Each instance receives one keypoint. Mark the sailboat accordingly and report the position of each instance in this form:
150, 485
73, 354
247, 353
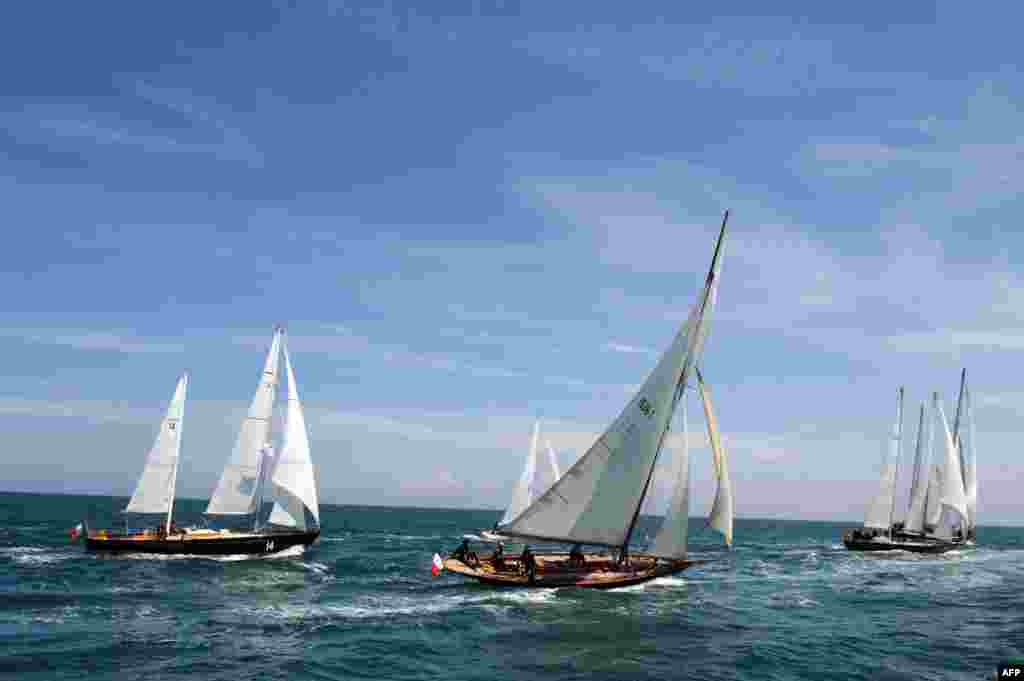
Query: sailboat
536, 478
253, 467
597, 501
943, 494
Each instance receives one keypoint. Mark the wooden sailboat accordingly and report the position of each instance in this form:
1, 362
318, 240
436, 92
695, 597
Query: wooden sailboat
597, 501
943, 495
294, 519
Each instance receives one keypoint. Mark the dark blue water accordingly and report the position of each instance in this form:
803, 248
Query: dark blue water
788, 603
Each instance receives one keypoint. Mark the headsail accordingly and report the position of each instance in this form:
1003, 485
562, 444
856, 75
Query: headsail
933, 504
879, 514
919, 488
952, 492
597, 499
293, 482
522, 496
236, 492
722, 510
154, 492
670, 542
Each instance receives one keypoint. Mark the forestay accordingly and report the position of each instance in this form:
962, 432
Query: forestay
293, 483
879, 514
236, 492
919, 489
595, 501
154, 492
670, 542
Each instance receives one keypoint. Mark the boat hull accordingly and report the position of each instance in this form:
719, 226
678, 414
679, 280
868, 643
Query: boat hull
914, 544
552, 571
202, 543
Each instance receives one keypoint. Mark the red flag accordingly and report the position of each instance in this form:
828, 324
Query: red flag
437, 565
75, 530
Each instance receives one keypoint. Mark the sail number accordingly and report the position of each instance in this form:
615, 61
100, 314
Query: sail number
646, 408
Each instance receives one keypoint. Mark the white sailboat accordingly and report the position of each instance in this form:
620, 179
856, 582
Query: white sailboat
250, 471
598, 500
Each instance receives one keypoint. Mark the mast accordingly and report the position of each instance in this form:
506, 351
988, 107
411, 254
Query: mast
680, 385
899, 452
177, 459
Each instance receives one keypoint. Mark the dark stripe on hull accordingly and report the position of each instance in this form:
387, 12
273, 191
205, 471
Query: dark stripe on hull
920, 546
269, 543
855, 545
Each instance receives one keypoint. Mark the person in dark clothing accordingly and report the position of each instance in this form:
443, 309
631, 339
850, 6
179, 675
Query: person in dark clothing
498, 559
461, 552
576, 556
527, 563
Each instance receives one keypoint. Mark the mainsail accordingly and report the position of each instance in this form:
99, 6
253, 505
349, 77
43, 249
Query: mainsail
293, 482
721, 511
952, 491
919, 488
879, 514
933, 504
670, 542
599, 497
236, 492
154, 492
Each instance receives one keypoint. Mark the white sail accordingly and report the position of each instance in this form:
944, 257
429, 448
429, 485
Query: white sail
154, 492
670, 542
879, 514
553, 462
721, 516
933, 504
968, 449
522, 496
293, 483
919, 489
952, 492
236, 491
595, 502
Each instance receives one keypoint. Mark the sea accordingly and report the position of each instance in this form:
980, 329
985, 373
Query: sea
787, 602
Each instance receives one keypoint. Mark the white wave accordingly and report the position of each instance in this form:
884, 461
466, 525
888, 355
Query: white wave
34, 555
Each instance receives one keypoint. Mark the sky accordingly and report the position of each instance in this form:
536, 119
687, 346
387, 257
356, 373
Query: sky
471, 215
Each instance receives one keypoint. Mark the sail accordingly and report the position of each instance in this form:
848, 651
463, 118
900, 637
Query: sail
721, 516
154, 492
952, 492
933, 505
237, 488
919, 489
522, 495
670, 542
969, 452
596, 500
879, 514
553, 462
293, 483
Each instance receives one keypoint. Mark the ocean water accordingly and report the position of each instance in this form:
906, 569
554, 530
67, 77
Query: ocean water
789, 602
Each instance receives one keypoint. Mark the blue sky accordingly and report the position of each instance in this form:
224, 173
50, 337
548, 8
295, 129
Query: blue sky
473, 218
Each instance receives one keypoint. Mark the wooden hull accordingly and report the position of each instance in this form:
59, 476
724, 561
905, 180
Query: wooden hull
553, 571
201, 543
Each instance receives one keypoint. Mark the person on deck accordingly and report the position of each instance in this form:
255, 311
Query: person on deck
498, 559
529, 566
576, 556
462, 552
